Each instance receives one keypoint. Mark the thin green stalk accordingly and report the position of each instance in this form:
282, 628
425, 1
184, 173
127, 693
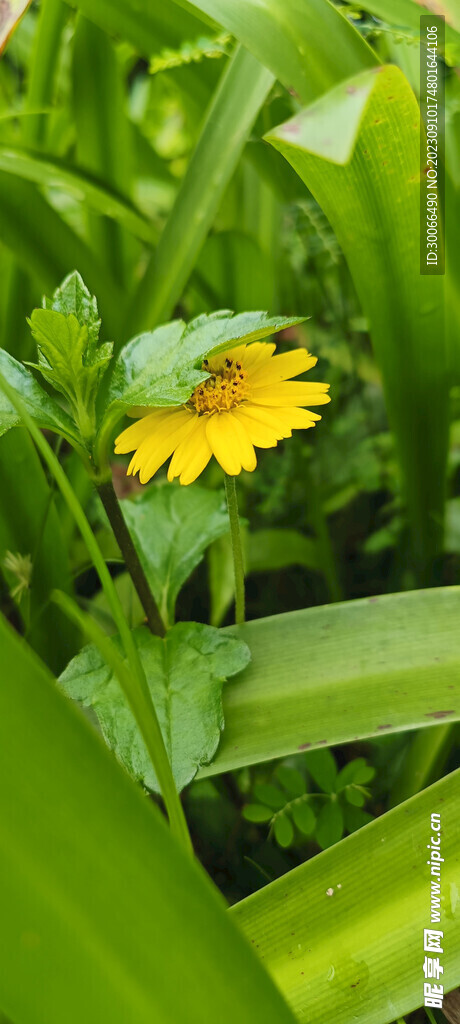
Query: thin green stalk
237, 550
44, 62
143, 699
241, 92
132, 561
320, 526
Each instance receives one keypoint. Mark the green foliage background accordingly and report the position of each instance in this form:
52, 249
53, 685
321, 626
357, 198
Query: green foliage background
185, 158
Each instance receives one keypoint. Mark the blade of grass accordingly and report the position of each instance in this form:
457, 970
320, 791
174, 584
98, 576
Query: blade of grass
103, 917
345, 929
241, 92
363, 668
46, 246
29, 525
147, 721
357, 150
149, 27
295, 40
99, 193
103, 131
52, 15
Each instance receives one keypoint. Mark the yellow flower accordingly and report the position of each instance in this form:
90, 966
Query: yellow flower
247, 401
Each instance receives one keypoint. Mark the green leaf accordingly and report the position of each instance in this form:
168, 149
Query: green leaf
322, 768
185, 673
162, 367
147, 27
356, 818
407, 13
102, 914
329, 827
270, 795
257, 813
234, 107
94, 191
12, 12
291, 780
283, 830
171, 528
295, 41
69, 357
357, 150
277, 549
105, 146
355, 796
30, 525
370, 667
355, 771
73, 297
365, 964
46, 246
364, 773
304, 819
40, 405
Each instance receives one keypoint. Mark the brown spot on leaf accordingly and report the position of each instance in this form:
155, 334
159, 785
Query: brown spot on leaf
385, 726
439, 714
303, 746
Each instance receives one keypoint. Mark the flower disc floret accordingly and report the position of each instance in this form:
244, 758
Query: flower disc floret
247, 402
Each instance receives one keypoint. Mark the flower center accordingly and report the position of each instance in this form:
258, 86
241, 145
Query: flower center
223, 390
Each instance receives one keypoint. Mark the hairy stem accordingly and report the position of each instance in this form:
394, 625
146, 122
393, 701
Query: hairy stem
235, 533
130, 555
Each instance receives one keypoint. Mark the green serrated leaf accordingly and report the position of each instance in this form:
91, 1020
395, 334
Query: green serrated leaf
330, 825
283, 830
322, 768
270, 795
304, 819
171, 527
73, 297
40, 405
69, 359
257, 813
185, 672
162, 367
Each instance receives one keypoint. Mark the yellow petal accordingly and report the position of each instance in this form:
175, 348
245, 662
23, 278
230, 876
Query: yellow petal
230, 443
280, 368
192, 455
257, 354
291, 393
260, 434
131, 438
158, 447
267, 416
298, 419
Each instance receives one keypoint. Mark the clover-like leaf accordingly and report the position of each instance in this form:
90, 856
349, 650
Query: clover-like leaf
172, 526
185, 672
41, 406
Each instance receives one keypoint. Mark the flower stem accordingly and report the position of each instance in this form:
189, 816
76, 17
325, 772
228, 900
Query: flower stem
133, 564
237, 550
